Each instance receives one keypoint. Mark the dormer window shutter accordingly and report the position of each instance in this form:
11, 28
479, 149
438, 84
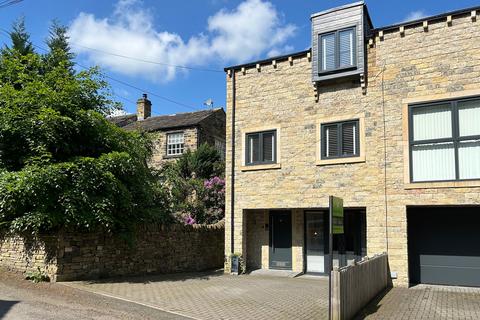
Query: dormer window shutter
337, 50
346, 48
328, 52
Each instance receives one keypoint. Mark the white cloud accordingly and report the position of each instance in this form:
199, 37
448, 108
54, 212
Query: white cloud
247, 31
414, 15
279, 51
252, 29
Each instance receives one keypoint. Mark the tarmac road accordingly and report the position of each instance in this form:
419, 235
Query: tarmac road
23, 300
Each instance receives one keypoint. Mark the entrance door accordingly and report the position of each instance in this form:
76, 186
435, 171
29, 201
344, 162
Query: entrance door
280, 239
315, 241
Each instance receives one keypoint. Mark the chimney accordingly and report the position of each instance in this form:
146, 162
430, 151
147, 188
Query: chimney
144, 108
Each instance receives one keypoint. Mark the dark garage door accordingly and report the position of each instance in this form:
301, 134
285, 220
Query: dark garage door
444, 245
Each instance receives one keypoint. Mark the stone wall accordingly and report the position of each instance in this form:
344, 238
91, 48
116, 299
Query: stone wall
27, 253
441, 62
153, 250
212, 128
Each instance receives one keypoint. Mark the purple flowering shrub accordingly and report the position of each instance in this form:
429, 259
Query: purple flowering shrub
214, 199
196, 189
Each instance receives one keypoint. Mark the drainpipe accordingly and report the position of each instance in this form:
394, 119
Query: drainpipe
232, 177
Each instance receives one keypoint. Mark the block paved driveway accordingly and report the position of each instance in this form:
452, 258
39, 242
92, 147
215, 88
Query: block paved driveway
219, 296
425, 302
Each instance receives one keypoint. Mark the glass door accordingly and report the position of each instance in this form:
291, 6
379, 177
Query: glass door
315, 241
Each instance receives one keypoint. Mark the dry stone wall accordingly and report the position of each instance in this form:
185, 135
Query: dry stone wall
154, 249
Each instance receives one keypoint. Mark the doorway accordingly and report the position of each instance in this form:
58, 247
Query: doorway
315, 241
347, 247
280, 239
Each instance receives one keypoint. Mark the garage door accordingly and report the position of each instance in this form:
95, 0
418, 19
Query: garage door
444, 245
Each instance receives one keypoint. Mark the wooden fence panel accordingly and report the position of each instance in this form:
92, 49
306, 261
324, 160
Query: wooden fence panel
353, 287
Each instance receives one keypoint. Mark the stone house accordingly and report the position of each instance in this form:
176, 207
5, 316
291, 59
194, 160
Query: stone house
174, 134
387, 118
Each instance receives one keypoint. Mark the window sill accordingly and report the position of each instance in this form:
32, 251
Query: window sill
176, 156
444, 184
261, 167
337, 70
340, 161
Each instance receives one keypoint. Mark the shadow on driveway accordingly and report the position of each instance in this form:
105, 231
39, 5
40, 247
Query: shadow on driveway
5, 306
207, 275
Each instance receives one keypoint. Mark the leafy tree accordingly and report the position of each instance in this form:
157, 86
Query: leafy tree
62, 164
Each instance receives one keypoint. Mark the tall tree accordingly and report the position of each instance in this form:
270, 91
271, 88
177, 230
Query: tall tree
62, 164
20, 38
59, 47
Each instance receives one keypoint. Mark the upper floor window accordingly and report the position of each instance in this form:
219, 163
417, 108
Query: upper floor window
445, 141
175, 143
340, 139
261, 147
337, 50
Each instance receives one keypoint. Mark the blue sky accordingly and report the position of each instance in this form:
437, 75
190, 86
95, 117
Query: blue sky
204, 34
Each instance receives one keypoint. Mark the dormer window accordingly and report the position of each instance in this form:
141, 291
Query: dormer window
337, 50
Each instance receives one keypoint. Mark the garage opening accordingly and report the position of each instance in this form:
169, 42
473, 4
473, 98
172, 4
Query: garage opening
444, 245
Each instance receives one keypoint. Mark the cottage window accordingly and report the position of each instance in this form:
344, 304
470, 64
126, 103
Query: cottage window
175, 143
261, 147
445, 141
340, 139
337, 50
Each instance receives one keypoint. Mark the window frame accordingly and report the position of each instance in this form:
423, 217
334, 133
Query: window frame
167, 144
260, 137
339, 125
337, 68
456, 139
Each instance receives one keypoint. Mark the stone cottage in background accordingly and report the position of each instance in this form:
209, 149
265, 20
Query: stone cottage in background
174, 134
387, 118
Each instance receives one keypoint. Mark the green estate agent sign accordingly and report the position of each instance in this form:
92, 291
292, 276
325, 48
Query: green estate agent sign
336, 207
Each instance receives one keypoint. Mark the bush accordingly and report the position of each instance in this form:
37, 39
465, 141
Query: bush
202, 163
196, 188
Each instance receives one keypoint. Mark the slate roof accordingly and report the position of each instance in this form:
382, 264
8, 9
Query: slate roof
178, 120
122, 121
